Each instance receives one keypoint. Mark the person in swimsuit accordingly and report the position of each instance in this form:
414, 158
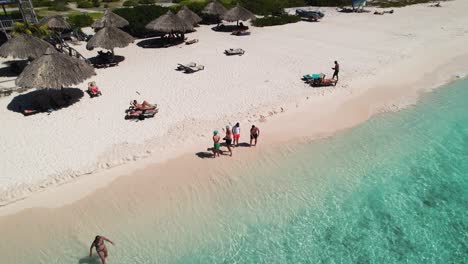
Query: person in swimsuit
336, 70
228, 139
236, 133
216, 143
93, 89
144, 105
254, 134
101, 248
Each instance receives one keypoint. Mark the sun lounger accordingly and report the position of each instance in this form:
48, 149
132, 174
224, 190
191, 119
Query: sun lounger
318, 80
307, 77
182, 67
141, 114
241, 32
192, 41
194, 69
231, 52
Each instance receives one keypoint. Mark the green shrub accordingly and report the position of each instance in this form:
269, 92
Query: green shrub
42, 3
146, 2
26, 28
329, 2
85, 4
275, 20
59, 6
139, 17
80, 20
129, 3
106, 6
268, 7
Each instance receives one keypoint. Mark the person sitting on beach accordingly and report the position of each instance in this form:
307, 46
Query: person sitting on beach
216, 144
254, 134
228, 139
101, 248
143, 106
93, 90
236, 132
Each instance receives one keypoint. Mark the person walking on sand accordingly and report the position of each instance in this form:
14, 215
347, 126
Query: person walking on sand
101, 248
216, 144
336, 70
228, 139
254, 134
236, 132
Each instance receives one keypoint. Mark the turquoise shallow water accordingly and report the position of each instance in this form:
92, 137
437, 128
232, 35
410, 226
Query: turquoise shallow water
392, 190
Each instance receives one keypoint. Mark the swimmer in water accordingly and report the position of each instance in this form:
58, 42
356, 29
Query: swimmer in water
101, 248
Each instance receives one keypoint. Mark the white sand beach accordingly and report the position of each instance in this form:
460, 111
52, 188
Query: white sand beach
386, 63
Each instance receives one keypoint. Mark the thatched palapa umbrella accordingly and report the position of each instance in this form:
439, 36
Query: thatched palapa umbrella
24, 47
110, 19
189, 16
214, 8
56, 23
169, 24
54, 70
238, 13
109, 38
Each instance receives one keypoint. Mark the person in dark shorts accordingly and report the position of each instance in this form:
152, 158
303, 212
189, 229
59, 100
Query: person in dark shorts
254, 134
228, 139
336, 70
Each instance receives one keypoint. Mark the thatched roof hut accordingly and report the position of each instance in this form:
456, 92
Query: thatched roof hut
189, 16
214, 8
110, 19
169, 23
55, 23
238, 13
54, 70
24, 47
109, 38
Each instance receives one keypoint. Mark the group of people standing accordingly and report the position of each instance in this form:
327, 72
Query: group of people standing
232, 136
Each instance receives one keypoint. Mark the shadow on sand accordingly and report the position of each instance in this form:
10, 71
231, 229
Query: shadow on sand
103, 62
43, 100
90, 260
14, 68
8, 72
155, 43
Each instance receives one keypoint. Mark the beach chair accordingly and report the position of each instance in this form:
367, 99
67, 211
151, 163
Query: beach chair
318, 80
190, 42
241, 32
140, 114
309, 77
230, 52
194, 69
182, 67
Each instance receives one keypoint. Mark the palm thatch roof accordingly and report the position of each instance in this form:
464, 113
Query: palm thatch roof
109, 38
24, 47
54, 70
110, 19
189, 16
55, 22
169, 23
238, 13
214, 8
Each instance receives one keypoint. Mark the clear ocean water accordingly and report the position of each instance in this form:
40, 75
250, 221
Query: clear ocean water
392, 190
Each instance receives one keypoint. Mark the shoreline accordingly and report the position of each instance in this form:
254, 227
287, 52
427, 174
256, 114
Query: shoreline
335, 109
